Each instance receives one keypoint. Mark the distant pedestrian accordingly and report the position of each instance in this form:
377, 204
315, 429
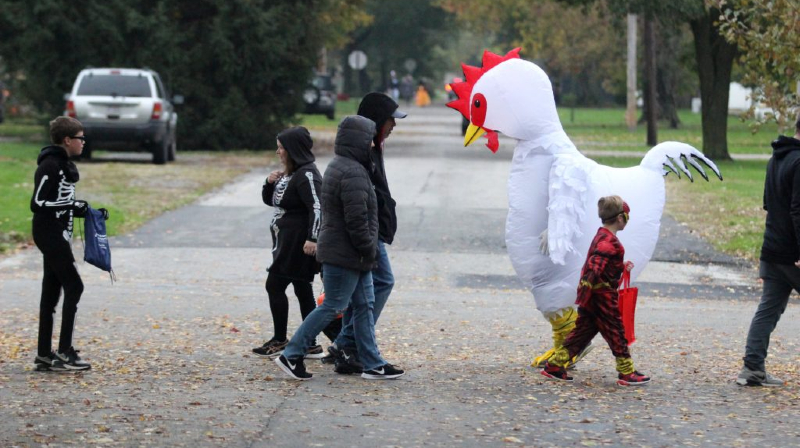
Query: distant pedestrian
407, 89
780, 256
423, 97
294, 193
394, 86
54, 208
347, 249
383, 111
598, 309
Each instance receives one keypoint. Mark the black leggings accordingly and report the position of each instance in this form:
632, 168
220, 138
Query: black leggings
279, 305
59, 273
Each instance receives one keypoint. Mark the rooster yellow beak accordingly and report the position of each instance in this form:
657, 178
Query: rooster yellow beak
473, 133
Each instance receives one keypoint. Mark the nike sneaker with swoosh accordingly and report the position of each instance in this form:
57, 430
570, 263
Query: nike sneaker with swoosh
384, 372
295, 368
347, 363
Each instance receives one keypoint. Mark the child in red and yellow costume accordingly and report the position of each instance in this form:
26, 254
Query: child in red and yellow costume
598, 309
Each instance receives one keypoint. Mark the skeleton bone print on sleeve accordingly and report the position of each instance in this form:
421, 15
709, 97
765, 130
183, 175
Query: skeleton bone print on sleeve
65, 199
277, 197
317, 208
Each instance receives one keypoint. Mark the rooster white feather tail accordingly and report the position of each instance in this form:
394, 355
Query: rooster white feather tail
670, 156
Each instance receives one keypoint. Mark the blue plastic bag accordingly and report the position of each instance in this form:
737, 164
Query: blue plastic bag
96, 251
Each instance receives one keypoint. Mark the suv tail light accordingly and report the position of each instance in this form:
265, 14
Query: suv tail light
156, 111
71, 109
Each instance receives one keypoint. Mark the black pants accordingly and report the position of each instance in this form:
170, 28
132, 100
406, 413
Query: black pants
60, 273
279, 305
779, 281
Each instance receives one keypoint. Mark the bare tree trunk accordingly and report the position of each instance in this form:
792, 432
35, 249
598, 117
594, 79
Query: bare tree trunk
650, 101
630, 113
715, 58
667, 74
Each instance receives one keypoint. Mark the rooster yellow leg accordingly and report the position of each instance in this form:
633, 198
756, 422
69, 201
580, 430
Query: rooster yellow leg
562, 322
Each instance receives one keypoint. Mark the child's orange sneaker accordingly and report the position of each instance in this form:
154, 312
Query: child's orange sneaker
556, 373
633, 379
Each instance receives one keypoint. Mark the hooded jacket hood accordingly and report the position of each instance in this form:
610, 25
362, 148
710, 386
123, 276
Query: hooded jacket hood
298, 143
379, 107
50, 151
354, 139
783, 145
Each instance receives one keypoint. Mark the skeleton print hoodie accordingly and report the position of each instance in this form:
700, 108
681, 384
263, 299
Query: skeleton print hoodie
53, 203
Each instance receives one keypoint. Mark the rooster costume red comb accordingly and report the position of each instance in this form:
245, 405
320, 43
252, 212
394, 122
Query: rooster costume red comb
472, 111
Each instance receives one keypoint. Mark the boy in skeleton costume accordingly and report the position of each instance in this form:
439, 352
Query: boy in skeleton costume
54, 206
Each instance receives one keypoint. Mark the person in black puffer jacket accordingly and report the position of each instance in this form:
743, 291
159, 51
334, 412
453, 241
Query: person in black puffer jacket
294, 193
383, 111
780, 256
347, 249
54, 206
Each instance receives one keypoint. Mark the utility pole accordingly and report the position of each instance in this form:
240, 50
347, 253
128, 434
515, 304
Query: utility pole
630, 113
650, 100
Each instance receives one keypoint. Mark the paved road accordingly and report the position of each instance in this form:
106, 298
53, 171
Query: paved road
170, 341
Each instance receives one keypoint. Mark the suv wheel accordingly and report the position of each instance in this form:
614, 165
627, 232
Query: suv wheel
161, 152
87, 151
173, 148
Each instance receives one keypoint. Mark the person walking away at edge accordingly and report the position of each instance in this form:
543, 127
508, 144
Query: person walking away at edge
383, 111
423, 97
598, 308
347, 248
779, 265
294, 193
54, 207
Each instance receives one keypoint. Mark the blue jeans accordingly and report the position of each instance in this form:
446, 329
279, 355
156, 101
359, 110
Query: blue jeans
383, 282
342, 286
779, 281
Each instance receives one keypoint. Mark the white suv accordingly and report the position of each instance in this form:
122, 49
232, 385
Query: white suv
125, 110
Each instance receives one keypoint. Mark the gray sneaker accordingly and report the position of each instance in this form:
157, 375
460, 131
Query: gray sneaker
749, 377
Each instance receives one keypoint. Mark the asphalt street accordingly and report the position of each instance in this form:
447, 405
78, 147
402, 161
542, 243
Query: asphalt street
170, 341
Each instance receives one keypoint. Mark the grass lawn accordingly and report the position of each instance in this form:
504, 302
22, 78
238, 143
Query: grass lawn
606, 129
133, 192
343, 108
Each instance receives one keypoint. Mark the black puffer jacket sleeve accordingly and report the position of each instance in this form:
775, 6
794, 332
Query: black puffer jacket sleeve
356, 214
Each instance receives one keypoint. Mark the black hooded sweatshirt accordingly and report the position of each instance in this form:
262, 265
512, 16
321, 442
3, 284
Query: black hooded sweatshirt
349, 235
53, 200
379, 110
298, 212
782, 203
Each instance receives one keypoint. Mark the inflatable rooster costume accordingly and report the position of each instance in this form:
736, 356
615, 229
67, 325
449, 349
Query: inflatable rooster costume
553, 189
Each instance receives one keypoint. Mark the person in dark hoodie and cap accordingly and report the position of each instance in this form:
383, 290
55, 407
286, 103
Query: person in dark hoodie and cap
779, 266
54, 207
347, 249
294, 192
382, 110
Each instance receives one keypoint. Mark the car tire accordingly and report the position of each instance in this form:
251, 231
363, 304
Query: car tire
87, 151
331, 115
161, 152
173, 148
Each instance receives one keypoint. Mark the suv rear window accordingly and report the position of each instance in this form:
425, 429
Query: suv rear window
114, 85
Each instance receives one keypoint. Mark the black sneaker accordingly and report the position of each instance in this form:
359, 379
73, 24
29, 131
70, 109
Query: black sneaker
294, 368
333, 354
49, 363
384, 372
348, 363
315, 352
71, 361
271, 348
